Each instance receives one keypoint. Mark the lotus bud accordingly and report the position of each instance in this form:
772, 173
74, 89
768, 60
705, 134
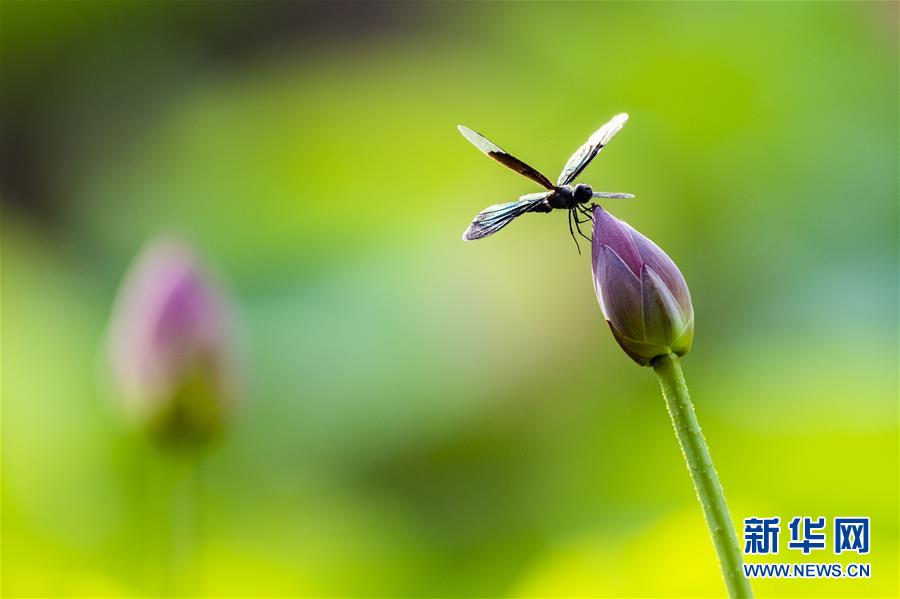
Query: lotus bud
643, 295
171, 347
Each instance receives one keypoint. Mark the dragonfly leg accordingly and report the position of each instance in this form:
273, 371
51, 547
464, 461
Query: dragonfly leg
577, 223
585, 211
587, 218
572, 232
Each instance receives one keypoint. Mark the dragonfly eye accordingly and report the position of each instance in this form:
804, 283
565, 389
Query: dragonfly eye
583, 193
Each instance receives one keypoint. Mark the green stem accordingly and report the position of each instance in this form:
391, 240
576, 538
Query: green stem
183, 515
703, 473
173, 524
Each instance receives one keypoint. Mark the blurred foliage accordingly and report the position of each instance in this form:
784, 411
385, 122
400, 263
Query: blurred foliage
429, 417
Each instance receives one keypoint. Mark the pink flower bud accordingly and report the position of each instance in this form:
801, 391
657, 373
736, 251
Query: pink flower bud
643, 295
171, 346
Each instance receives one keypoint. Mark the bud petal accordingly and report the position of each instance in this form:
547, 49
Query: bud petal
610, 231
619, 292
662, 265
663, 320
639, 351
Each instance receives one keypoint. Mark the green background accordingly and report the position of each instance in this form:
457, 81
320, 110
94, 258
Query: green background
423, 416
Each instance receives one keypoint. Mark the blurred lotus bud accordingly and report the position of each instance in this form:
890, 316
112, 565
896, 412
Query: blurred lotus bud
642, 293
172, 347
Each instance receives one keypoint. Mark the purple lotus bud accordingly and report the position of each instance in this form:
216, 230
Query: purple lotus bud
642, 293
171, 346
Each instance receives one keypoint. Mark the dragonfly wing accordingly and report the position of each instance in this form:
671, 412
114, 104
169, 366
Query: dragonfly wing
504, 157
583, 155
493, 218
535, 197
607, 194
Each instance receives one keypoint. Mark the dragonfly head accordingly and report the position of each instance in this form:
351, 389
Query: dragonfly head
583, 193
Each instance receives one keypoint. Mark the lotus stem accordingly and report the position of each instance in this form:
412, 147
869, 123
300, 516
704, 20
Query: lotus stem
703, 473
173, 522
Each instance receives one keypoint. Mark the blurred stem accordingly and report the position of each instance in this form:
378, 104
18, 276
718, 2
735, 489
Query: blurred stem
183, 512
703, 473
175, 523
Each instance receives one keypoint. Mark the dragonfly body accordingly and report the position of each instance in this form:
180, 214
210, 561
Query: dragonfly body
562, 196
568, 197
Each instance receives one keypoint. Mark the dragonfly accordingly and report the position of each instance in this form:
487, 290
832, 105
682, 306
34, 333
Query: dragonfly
562, 196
